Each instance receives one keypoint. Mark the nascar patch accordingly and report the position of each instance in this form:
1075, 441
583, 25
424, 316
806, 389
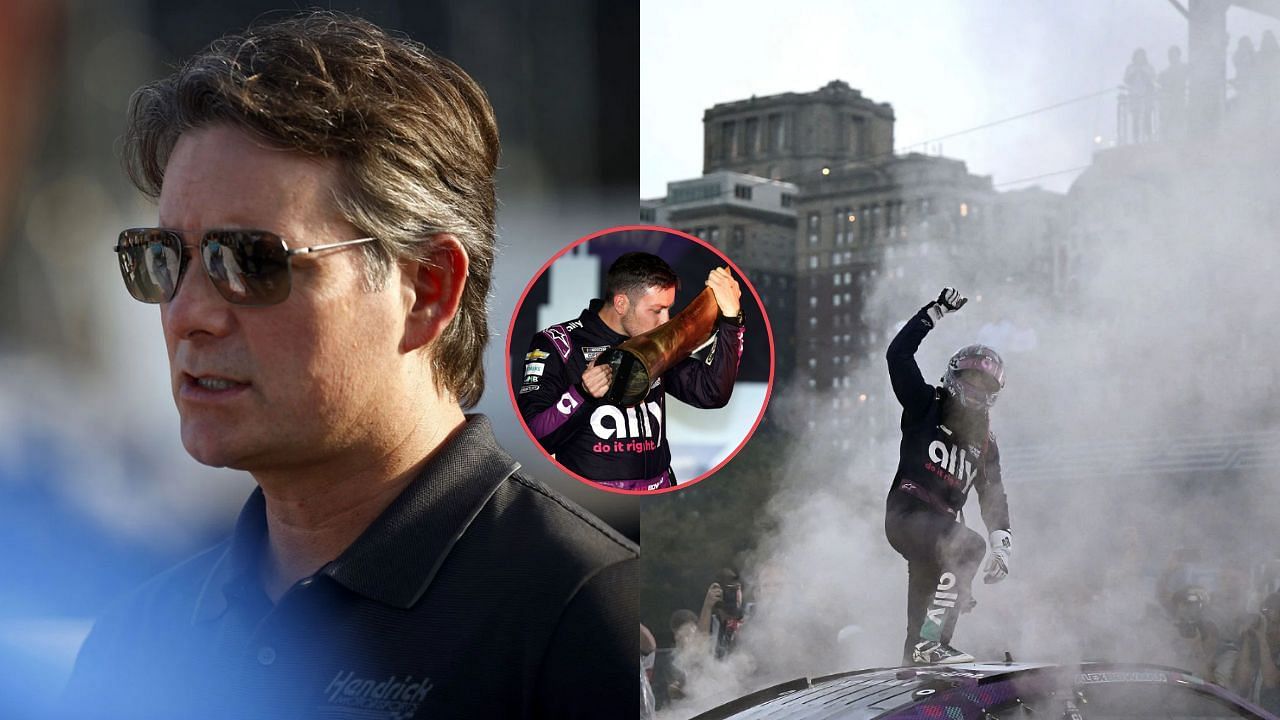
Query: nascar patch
591, 353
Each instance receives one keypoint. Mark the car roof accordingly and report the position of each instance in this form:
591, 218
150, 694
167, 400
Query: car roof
860, 694
904, 692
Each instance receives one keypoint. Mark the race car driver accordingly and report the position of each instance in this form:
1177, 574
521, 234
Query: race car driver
561, 391
947, 448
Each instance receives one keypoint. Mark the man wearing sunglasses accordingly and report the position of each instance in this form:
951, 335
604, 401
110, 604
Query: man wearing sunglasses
321, 264
947, 448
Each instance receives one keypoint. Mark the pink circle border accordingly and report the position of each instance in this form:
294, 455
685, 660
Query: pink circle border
768, 326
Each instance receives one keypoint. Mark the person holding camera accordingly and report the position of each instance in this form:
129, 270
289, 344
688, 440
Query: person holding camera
947, 449
723, 612
1257, 670
1208, 648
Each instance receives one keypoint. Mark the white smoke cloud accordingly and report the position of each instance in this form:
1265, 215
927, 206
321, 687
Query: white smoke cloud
1160, 357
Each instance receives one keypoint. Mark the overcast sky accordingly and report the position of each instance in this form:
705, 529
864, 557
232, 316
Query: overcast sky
944, 65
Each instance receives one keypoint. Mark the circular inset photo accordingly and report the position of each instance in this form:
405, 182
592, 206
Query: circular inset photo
641, 359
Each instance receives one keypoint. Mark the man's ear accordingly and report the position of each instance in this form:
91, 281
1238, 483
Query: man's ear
621, 304
432, 290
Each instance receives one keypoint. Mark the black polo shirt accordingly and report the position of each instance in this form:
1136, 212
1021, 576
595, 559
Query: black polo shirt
477, 594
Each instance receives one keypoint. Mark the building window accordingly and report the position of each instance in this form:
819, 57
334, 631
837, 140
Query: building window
813, 301
813, 262
737, 239
728, 139
648, 215
777, 133
697, 191
742, 192
787, 198
753, 137
713, 236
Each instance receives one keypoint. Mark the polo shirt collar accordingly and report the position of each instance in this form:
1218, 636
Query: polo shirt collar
395, 559
238, 561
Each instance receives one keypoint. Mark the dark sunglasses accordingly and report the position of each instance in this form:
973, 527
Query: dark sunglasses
248, 267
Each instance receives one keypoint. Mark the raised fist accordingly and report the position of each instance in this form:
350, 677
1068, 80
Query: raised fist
949, 301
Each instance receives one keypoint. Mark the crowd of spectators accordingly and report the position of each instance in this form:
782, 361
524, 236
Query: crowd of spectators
707, 636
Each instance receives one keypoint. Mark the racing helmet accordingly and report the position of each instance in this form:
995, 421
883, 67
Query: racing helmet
975, 376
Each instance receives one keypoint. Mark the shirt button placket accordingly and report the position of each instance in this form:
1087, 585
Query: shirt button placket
266, 655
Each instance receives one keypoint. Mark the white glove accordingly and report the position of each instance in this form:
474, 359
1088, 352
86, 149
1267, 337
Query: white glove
1001, 549
949, 301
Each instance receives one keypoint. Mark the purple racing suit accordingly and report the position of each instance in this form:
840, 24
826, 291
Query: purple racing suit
621, 447
937, 467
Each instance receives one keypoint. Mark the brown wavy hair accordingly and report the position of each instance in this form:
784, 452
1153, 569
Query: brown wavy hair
414, 135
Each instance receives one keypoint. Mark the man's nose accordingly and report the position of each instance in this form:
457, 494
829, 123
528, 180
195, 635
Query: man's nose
196, 310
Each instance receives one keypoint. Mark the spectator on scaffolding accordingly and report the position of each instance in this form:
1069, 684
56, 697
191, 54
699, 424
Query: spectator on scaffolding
1173, 96
1245, 82
1268, 66
1140, 86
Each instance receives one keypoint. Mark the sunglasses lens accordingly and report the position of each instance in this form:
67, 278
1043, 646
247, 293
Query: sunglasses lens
150, 263
249, 267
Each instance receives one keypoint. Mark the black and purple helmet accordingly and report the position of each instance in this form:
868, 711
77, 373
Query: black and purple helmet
975, 376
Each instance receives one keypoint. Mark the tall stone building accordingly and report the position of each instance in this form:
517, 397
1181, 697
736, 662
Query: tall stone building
790, 135
752, 220
839, 234
866, 226
874, 237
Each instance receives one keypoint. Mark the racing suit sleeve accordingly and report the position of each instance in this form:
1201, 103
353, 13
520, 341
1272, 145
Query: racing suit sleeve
709, 383
914, 394
550, 399
991, 497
